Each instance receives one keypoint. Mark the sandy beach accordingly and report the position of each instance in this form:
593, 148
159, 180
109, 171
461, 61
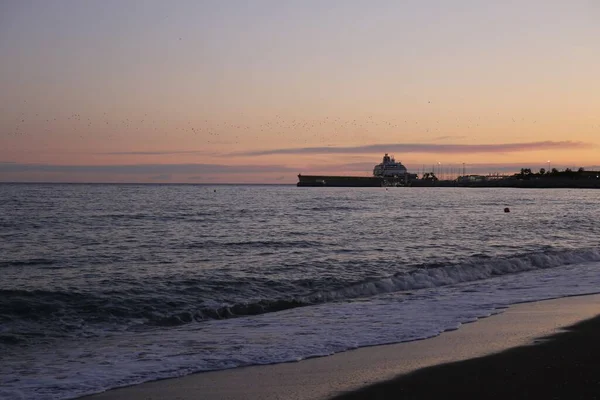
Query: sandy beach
350, 374
561, 366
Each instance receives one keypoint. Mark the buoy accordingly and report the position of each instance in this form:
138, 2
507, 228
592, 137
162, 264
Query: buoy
506, 209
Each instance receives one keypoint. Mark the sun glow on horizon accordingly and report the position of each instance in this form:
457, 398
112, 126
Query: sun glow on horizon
246, 93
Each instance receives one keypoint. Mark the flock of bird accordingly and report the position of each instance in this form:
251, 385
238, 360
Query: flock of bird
243, 129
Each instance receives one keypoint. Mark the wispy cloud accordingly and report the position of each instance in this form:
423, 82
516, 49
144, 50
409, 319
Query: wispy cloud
152, 153
425, 148
151, 169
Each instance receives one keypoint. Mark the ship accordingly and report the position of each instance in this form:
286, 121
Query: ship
387, 173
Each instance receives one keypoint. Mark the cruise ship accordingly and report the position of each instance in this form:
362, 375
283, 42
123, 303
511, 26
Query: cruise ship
389, 168
388, 173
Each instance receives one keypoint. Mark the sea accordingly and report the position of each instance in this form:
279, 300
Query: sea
109, 285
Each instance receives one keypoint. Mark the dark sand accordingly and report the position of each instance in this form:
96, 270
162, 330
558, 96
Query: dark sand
563, 366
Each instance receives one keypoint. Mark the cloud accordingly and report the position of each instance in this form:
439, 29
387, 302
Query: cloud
152, 153
143, 169
425, 148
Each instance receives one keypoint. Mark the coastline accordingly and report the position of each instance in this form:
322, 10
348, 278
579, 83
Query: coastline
343, 373
560, 366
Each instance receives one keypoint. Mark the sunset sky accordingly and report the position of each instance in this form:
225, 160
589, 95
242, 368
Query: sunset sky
259, 91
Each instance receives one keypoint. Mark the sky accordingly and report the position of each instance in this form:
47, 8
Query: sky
258, 91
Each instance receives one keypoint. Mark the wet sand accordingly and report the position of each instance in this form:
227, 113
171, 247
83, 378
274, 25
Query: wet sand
349, 374
562, 366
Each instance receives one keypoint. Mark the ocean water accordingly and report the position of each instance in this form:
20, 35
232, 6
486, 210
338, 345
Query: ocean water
103, 286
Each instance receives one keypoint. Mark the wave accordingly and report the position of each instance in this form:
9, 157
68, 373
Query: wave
332, 208
437, 275
28, 263
186, 216
72, 311
426, 276
276, 244
25, 314
236, 310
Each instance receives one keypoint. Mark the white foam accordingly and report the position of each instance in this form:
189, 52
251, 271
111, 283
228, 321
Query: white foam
97, 364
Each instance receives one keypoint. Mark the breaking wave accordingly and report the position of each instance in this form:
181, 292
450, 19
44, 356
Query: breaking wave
436, 275
24, 313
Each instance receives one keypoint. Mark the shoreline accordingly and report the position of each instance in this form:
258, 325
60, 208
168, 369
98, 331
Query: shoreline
346, 372
560, 366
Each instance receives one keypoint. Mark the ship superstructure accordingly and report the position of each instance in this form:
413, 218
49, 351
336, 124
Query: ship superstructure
389, 168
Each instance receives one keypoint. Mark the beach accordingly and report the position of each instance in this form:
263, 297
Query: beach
563, 366
497, 351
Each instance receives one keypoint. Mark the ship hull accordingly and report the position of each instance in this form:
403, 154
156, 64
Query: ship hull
347, 181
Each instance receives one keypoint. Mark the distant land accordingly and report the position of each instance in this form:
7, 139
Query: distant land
525, 179
554, 178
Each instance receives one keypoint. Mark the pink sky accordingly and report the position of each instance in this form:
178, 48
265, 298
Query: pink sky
145, 91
